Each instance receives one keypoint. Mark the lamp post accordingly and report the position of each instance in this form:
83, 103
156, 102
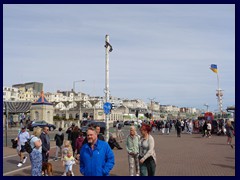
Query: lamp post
74, 95
206, 106
151, 107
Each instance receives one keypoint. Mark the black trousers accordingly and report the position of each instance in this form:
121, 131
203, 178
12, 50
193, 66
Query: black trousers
45, 157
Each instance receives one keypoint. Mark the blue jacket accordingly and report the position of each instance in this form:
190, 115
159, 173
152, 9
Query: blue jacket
97, 162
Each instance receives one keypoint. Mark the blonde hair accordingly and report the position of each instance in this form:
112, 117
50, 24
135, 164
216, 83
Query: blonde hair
37, 131
229, 123
67, 143
133, 128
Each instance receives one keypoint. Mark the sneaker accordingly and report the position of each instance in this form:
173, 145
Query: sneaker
137, 174
20, 164
64, 174
55, 159
24, 159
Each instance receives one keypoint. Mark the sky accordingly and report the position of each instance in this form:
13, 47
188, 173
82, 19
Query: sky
161, 52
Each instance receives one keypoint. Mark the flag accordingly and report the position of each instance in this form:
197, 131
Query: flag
214, 68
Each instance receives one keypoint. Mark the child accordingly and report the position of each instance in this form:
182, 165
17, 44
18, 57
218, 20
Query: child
66, 148
68, 161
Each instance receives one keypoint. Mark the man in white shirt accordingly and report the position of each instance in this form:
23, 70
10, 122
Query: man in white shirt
23, 136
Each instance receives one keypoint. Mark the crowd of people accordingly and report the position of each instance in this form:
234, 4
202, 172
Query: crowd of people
94, 155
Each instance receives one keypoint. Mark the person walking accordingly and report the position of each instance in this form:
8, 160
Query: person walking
69, 131
147, 155
178, 127
119, 133
204, 129
79, 144
229, 132
36, 154
74, 136
96, 156
68, 162
167, 126
22, 137
59, 138
132, 146
45, 144
209, 129
67, 148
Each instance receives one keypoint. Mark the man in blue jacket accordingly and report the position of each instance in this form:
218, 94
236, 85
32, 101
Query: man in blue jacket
96, 157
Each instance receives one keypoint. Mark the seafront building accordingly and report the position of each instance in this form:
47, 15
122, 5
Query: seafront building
71, 105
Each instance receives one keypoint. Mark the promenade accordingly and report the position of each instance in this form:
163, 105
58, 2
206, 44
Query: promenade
190, 155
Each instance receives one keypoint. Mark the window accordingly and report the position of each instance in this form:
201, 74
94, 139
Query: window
48, 115
37, 115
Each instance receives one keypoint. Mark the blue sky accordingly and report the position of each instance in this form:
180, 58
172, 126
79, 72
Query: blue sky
161, 52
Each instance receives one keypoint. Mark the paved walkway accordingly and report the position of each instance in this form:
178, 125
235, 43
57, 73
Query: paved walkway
190, 155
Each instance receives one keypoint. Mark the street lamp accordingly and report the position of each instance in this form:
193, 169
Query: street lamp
151, 108
206, 106
74, 95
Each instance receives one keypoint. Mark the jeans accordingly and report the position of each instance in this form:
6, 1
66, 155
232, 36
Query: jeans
133, 162
57, 151
119, 135
148, 167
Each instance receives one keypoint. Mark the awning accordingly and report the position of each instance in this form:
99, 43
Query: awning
17, 106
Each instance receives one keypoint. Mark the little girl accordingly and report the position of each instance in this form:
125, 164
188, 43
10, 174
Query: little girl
68, 161
66, 148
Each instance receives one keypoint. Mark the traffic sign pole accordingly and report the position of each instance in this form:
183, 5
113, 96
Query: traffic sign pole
108, 46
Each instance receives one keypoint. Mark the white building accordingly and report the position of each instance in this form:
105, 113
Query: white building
10, 94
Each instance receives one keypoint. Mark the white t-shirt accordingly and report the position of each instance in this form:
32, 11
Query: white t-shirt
209, 126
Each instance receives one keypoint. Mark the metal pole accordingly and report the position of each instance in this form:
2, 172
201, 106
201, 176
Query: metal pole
219, 97
6, 125
74, 98
107, 84
73, 93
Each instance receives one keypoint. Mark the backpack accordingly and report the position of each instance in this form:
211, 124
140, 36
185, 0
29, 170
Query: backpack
28, 146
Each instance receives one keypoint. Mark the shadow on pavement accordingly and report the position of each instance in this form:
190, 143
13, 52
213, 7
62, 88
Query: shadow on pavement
13, 161
230, 158
217, 144
224, 166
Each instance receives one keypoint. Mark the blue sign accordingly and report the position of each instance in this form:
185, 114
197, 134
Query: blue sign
107, 107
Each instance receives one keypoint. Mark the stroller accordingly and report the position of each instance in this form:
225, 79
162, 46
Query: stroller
14, 143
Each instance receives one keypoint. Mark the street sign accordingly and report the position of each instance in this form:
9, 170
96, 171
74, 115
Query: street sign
107, 107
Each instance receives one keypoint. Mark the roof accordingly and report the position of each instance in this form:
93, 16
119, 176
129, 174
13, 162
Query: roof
42, 100
16, 106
